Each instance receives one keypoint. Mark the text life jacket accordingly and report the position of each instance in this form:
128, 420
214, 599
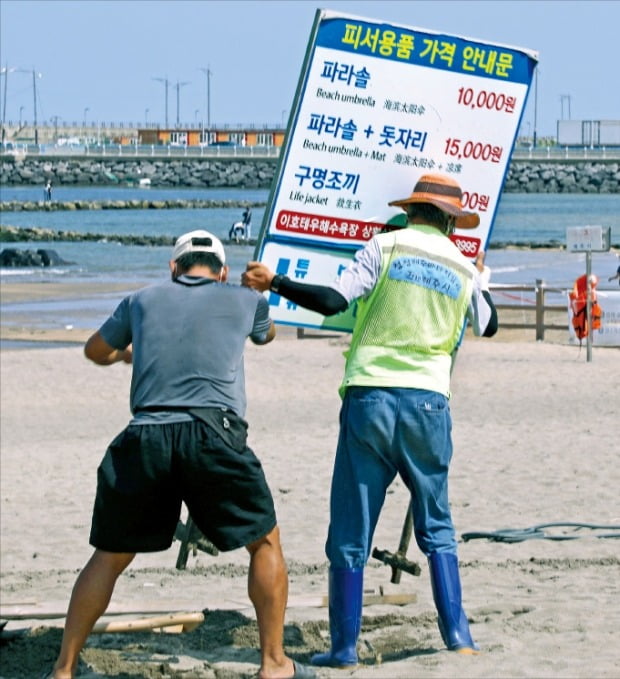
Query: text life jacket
579, 302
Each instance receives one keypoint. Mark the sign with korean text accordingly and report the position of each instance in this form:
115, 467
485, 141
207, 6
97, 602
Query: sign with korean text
588, 238
377, 106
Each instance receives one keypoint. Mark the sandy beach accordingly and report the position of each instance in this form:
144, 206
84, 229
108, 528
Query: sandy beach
536, 442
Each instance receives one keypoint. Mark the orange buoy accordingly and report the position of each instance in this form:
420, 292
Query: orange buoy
579, 302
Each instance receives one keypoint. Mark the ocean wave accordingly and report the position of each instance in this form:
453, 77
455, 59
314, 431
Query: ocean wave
37, 274
507, 269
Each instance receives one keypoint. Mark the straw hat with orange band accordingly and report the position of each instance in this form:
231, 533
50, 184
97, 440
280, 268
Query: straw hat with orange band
444, 193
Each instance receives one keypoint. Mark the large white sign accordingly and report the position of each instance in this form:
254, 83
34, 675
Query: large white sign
377, 106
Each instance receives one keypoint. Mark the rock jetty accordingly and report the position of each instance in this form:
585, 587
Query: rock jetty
524, 176
17, 234
577, 177
15, 257
199, 173
75, 205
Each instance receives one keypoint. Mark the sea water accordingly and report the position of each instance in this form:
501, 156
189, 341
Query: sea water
539, 220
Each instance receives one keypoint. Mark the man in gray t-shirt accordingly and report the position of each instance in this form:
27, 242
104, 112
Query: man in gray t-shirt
188, 337
185, 443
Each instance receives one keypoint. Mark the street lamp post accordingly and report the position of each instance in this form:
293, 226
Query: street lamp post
146, 117
165, 81
86, 110
5, 72
179, 86
565, 97
207, 71
535, 104
35, 75
21, 108
54, 119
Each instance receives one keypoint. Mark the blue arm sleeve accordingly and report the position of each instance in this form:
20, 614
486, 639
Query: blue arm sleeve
321, 298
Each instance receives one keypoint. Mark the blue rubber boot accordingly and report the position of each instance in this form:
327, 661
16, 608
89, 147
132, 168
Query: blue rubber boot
345, 617
446, 583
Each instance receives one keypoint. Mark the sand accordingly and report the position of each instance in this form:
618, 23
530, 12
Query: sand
536, 442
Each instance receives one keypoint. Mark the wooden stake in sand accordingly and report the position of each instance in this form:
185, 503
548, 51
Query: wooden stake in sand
172, 623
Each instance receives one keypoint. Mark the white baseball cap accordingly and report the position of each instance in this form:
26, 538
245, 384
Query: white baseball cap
198, 241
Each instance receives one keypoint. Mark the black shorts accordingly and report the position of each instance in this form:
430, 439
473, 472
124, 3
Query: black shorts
150, 469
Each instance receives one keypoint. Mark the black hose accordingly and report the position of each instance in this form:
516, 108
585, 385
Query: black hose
537, 533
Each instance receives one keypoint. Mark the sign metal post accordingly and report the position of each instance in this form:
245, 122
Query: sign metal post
588, 239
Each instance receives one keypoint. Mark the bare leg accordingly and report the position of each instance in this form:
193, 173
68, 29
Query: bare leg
268, 591
91, 595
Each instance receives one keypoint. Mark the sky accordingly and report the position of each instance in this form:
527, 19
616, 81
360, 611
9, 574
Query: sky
100, 60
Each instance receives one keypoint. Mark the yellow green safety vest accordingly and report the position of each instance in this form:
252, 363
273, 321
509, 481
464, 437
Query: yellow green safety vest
408, 327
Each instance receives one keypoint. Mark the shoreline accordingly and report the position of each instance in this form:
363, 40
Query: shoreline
25, 333
57, 309
19, 291
24, 329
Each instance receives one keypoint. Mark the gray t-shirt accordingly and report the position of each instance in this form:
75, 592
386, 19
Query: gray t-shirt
188, 337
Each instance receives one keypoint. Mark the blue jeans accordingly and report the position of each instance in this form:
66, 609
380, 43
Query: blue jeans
385, 431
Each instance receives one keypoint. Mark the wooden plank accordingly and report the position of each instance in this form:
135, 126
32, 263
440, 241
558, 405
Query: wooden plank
368, 600
56, 610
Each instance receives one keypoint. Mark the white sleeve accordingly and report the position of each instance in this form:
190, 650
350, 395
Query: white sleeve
479, 311
360, 277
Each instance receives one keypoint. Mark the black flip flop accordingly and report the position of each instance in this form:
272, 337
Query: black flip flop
303, 671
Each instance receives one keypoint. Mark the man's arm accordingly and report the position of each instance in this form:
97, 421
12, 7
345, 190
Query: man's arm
319, 298
484, 314
263, 329
100, 352
268, 337
493, 324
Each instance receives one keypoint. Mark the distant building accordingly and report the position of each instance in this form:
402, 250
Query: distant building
590, 133
63, 132
192, 136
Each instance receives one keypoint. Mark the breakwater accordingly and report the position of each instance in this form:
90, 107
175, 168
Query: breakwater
188, 172
16, 234
34, 234
524, 176
77, 205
